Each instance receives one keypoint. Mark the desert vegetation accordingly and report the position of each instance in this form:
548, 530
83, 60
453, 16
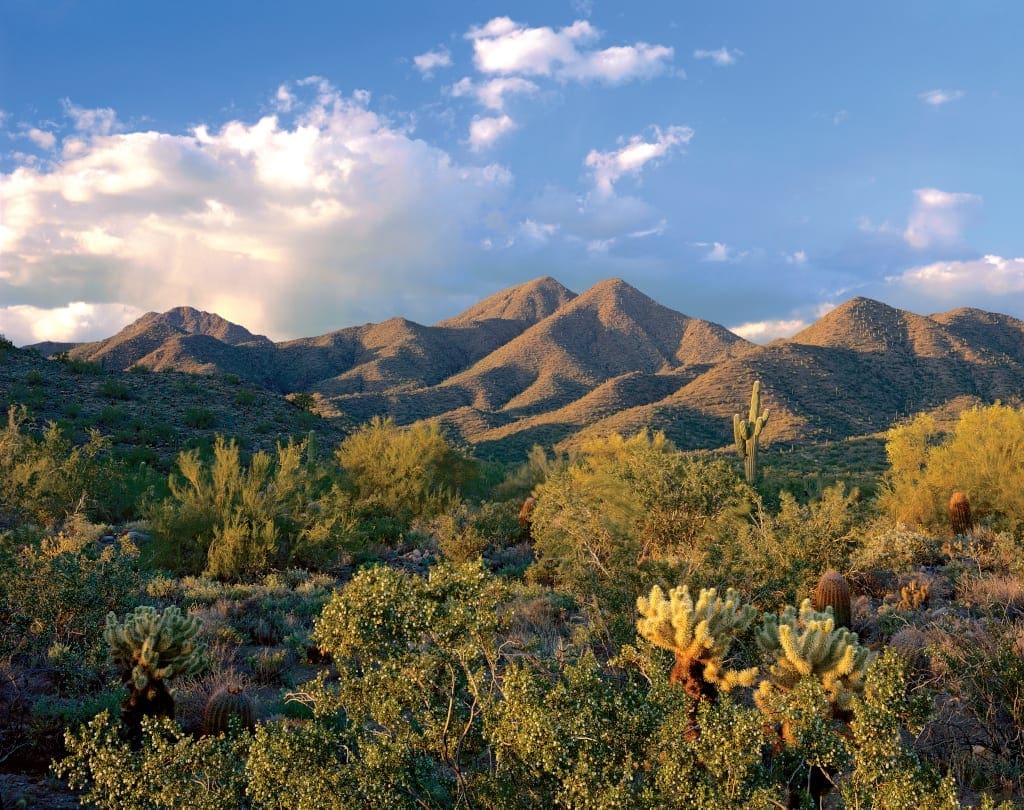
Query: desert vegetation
379, 622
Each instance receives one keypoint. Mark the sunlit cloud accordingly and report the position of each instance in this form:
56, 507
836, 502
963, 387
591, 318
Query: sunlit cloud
289, 226
74, 322
938, 217
766, 331
427, 63
484, 132
503, 46
634, 154
723, 57
936, 98
492, 93
987, 280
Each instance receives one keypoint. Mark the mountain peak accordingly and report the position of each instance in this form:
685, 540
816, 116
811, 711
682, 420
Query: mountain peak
527, 303
862, 324
193, 321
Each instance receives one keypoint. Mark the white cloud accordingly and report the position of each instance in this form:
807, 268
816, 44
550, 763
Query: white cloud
538, 231
634, 154
484, 132
796, 257
765, 331
506, 47
936, 98
75, 322
289, 228
722, 57
427, 63
98, 121
988, 280
491, 94
839, 117
41, 138
938, 217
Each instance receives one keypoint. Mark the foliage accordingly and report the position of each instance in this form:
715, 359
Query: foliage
169, 770
233, 519
151, 645
411, 470
626, 514
983, 457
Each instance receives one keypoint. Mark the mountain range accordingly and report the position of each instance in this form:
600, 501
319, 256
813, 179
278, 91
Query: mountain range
539, 364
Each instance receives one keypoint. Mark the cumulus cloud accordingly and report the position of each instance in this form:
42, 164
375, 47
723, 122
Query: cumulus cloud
723, 57
491, 94
765, 331
635, 153
503, 46
427, 63
483, 132
72, 323
41, 138
936, 98
97, 121
288, 226
986, 281
938, 217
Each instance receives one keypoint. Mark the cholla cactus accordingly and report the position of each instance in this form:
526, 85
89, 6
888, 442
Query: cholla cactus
151, 646
699, 635
809, 643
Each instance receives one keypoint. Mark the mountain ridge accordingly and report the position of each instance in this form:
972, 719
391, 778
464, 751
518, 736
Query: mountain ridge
540, 362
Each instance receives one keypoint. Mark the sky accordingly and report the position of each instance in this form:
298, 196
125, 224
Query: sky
301, 167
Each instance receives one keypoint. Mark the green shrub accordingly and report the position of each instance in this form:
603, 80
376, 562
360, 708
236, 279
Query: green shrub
114, 389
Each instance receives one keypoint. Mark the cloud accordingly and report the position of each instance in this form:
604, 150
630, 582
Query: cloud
72, 323
427, 63
987, 281
936, 98
765, 331
938, 217
503, 46
483, 132
287, 225
796, 257
634, 154
491, 94
723, 57
41, 138
98, 121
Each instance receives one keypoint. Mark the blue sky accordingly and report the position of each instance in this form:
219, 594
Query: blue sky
300, 167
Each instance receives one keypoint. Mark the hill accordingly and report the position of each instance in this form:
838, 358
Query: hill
538, 363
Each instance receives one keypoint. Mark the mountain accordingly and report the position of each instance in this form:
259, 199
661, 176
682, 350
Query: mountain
538, 363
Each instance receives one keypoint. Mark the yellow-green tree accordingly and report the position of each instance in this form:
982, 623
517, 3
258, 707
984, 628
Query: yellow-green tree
983, 457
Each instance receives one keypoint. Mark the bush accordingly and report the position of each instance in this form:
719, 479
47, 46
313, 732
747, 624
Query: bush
983, 457
200, 418
412, 471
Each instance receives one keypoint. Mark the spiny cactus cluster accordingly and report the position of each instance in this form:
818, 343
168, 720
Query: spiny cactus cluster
152, 646
809, 643
747, 433
960, 513
699, 635
833, 591
227, 702
913, 595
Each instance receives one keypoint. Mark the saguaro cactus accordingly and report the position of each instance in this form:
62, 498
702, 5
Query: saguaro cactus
699, 635
747, 433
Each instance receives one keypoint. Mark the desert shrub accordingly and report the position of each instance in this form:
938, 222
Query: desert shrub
983, 457
466, 532
626, 513
411, 470
44, 480
170, 769
229, 518
200, 418
894, 548
114, 389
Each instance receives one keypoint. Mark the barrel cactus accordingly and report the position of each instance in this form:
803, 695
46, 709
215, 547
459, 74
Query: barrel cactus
960, 513
699, 635
833, 591
227, 702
